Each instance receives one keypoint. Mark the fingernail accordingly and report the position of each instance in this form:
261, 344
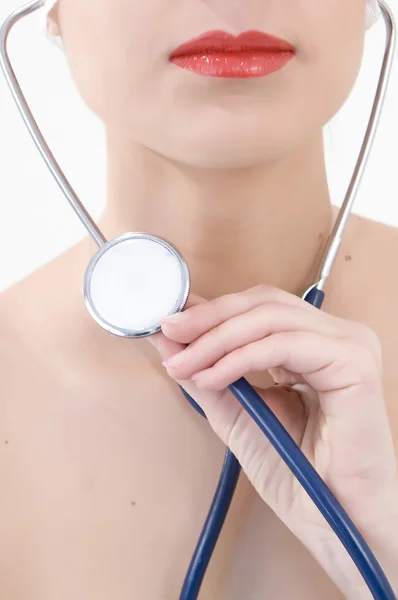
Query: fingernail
286, 388
198, 379
174, 361
176, 318
154, 340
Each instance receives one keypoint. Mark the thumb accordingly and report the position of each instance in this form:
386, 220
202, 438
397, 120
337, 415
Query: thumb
164, 345
222, 407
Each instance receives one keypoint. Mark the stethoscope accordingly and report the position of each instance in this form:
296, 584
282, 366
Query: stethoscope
136, 279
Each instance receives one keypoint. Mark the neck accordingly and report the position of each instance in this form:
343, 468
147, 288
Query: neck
236, 228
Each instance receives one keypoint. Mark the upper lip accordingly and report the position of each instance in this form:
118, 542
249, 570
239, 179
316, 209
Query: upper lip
220, 41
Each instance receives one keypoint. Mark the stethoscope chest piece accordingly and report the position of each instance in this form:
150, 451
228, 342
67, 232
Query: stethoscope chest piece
134, 281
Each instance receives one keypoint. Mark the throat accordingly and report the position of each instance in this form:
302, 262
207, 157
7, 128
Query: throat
236, 228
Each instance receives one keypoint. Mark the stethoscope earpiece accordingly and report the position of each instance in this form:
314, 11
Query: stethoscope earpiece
133, 281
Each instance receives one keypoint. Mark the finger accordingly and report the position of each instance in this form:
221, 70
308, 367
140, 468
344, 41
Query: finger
194, 300
166, 347
285, 377
229, 421
326, 364
245, 439
193, 322
246, 328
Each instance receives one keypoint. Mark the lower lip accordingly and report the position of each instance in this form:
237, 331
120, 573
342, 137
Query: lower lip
234, 65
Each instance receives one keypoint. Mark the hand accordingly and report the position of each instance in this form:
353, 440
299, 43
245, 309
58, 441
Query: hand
335, 411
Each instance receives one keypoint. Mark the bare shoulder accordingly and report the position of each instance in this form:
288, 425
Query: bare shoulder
11, 337
364, 288
18, 337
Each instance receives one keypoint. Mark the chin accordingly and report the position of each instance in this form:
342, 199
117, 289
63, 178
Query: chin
222, 148
236, 133
229, 152
224, 157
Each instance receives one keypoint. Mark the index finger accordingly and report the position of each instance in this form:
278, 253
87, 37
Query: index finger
202, 315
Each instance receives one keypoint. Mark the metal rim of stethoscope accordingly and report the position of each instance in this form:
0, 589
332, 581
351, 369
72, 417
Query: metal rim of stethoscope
334, 240
178, 302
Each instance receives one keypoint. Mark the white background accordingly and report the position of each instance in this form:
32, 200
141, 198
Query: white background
36, 222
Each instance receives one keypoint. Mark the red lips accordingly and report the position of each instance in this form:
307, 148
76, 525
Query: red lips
219, 54
219, 41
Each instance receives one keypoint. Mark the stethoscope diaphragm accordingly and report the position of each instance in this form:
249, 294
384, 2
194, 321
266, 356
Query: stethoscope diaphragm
133, 281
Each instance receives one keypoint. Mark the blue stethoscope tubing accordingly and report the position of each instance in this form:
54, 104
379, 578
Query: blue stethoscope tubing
277, 435
305, 473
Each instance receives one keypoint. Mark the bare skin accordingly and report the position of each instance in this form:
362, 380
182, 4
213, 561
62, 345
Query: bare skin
107, 472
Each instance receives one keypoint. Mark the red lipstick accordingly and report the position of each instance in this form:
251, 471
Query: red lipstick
219, 54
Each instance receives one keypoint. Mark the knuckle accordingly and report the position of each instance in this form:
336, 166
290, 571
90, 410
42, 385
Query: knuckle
367, 361
217, 340
245, 357
221, 305
263, 290
262, 287
208, 339
363, 336
268, 313
371, 340
369, 334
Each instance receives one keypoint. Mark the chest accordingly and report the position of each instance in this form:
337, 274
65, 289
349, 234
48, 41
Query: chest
106, 488
105, 495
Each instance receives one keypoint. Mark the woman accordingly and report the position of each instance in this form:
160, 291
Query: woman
107, 472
